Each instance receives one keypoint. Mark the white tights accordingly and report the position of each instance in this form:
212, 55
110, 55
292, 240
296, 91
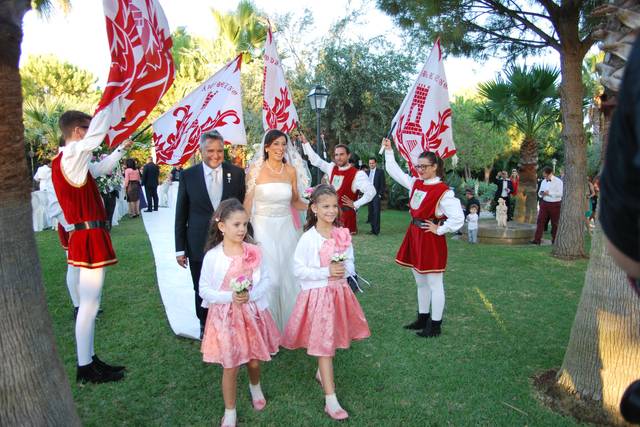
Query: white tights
89, 290
73, 274
430, 293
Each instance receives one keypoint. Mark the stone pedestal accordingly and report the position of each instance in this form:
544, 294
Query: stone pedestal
515, 233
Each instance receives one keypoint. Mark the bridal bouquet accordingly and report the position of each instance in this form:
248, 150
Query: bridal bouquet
307, 193
339, 257
240, 284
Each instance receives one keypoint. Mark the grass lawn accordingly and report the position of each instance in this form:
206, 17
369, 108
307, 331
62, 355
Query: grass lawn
508, 316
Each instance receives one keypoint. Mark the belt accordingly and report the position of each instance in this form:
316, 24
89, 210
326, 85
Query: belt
421, 223
89, 225
346, 208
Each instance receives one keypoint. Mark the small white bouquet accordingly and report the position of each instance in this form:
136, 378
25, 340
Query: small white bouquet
240, 284
339, 257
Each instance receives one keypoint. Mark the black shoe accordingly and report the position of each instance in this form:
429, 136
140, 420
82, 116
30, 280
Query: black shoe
91, 373
155, 210
148, 210
420, 322
533, 242
201, 332
106, 367
75, 313
431, 329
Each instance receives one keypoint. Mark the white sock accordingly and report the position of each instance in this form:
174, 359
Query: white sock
229, 417
256, 392
72, 284
332, 402
89, 288
436, 285
424, 292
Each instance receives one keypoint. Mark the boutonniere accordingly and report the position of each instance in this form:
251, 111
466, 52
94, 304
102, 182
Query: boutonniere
228, 177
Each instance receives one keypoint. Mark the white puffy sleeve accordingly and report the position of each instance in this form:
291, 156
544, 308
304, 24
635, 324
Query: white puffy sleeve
306, 260
394, 171
449, 205
209, 286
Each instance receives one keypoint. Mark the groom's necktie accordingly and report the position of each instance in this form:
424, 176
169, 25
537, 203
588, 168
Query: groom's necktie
215, 189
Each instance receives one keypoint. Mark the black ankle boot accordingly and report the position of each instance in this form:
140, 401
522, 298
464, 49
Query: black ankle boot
91, 373
431, 329
420, 322
106, 367
75, 313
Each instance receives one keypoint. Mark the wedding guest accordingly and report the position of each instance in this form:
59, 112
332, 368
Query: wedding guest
150, 177
90, 246
176, 173
472, 224
239, 329
43, 176
346, 179
132, 187
201, 189
551, 194
515, 181
435, 211
504, 190
594, 199
470, 200
327, 315
376, 177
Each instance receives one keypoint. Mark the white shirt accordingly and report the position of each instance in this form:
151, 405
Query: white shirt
43, 176
213, 189
215, 265
449, 205
360, 183
554, 187
472, 221
372, 175
306, 261
505, 188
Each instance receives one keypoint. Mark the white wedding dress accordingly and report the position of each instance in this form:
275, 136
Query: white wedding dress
275, 232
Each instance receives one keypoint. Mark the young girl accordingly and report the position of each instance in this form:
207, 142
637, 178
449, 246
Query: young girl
239, 329
434, 211
327, 314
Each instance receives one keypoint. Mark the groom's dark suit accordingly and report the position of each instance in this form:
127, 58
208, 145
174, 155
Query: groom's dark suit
193, 216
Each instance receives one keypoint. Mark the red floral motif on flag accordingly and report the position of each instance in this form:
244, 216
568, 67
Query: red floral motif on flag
278, 115
140, 78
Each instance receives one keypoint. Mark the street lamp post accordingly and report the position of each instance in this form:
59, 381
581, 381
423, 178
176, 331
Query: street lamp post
553, 162
318, 100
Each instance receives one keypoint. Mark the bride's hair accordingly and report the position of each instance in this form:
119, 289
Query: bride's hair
271, 136
224, 211
319, 191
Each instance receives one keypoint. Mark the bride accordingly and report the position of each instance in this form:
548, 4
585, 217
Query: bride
274, 181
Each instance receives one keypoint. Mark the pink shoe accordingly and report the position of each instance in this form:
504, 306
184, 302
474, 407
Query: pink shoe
222, 423
339, 415
259, 404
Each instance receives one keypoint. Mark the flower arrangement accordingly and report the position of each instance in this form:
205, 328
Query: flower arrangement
307, 193
240, 284
339, 257
112, 181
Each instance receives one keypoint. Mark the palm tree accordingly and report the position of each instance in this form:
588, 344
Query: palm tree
33, 384
603, 355
245, 29
525, 99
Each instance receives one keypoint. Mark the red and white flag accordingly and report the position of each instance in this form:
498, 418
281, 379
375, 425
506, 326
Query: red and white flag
278, 111
423, 122
215, 104
142, 68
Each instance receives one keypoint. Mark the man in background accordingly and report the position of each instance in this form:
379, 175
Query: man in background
150, 176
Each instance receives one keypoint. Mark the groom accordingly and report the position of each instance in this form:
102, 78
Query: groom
202, 187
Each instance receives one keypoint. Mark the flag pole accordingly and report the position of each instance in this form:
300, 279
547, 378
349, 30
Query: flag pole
140, 132
393, 126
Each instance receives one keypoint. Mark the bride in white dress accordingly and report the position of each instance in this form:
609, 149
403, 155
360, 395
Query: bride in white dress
274, 180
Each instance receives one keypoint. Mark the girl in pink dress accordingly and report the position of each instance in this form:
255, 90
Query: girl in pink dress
327, 314
239, 328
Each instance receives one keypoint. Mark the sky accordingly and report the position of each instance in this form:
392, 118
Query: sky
80, 37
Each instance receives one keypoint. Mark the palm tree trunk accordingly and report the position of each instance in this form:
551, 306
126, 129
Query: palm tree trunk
487, 173
528, 179
569, 242
33, 386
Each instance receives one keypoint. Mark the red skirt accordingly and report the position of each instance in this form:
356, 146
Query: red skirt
91, 249
423, 251
63, 236
349, 220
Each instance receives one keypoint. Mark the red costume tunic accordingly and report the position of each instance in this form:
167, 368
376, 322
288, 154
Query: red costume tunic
63, 235
423, 250
90, 248
342, 181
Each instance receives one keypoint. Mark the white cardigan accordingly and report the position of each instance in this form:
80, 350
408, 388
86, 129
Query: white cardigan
215, 266
306, 261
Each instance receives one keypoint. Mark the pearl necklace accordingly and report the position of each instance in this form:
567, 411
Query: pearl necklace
271, 169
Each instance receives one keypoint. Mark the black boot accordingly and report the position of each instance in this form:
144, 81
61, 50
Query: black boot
106, 367
431, 329
420, 322
91, 373
75, 313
